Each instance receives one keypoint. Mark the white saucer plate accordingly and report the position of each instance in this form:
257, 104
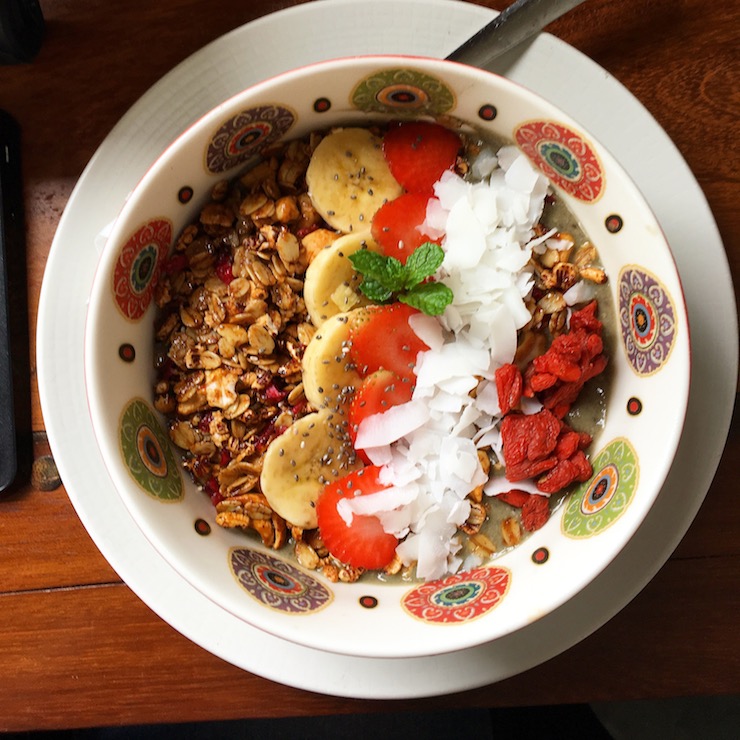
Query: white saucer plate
426, 27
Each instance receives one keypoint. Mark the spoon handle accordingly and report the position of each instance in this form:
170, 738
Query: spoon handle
518, 22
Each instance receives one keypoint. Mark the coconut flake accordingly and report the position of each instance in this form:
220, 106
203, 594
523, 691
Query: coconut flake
484, 164
389, 426
498, 484
428, 329
387, 499
581, 292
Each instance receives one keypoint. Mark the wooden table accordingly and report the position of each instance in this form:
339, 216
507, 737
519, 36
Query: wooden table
80, 649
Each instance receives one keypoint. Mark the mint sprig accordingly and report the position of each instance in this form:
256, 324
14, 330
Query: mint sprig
384, 278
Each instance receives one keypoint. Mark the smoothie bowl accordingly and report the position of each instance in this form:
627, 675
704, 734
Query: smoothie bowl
387, 356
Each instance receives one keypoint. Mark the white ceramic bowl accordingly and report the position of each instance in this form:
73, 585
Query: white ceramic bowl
631, 455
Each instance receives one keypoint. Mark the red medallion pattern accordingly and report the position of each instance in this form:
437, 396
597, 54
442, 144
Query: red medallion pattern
564, 156
459, 598
137, 269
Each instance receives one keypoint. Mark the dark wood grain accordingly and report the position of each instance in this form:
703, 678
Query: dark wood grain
80, 649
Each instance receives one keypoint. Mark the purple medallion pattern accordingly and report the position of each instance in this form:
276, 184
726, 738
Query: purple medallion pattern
245, 135
459, 598
277, 584
647, 320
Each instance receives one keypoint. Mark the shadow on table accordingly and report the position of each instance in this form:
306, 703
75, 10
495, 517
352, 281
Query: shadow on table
551, 723
696, 718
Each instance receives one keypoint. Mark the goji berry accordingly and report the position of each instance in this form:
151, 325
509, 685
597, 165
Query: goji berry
535, 512
562, 361
515, 497
573, 358
529, 468
509, 387
586, 319
583, 466
575, 469
562, 475
568, 444
539, 381
529, 436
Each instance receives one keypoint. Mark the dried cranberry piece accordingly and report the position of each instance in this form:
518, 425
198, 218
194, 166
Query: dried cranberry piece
223, 268
213, 491
273, 394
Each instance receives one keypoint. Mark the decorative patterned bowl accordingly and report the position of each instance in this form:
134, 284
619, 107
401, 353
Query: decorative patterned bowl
631, 455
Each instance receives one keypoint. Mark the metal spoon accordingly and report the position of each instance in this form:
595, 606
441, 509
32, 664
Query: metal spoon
518, 22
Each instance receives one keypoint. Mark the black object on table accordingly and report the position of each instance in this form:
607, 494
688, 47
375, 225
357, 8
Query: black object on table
14, 411
21, 30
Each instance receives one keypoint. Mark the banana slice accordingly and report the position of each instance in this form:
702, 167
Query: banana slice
348, 179
331, 285
329, 378
312, 452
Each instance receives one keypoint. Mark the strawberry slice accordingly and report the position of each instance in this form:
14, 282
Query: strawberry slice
377, 394
364, 543
396, 224
386, 341
418, 152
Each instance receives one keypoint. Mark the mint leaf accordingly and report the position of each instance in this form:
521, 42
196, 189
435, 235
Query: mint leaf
367, 262
375, 291
423, 263
383, 277
429, 298
385, 270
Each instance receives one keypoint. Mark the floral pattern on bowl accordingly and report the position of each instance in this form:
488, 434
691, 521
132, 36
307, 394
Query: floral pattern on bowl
278, 584
244, 135
647, 319
147, 453
458, 598
403, 91
138, 266
598, 503
565, 156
